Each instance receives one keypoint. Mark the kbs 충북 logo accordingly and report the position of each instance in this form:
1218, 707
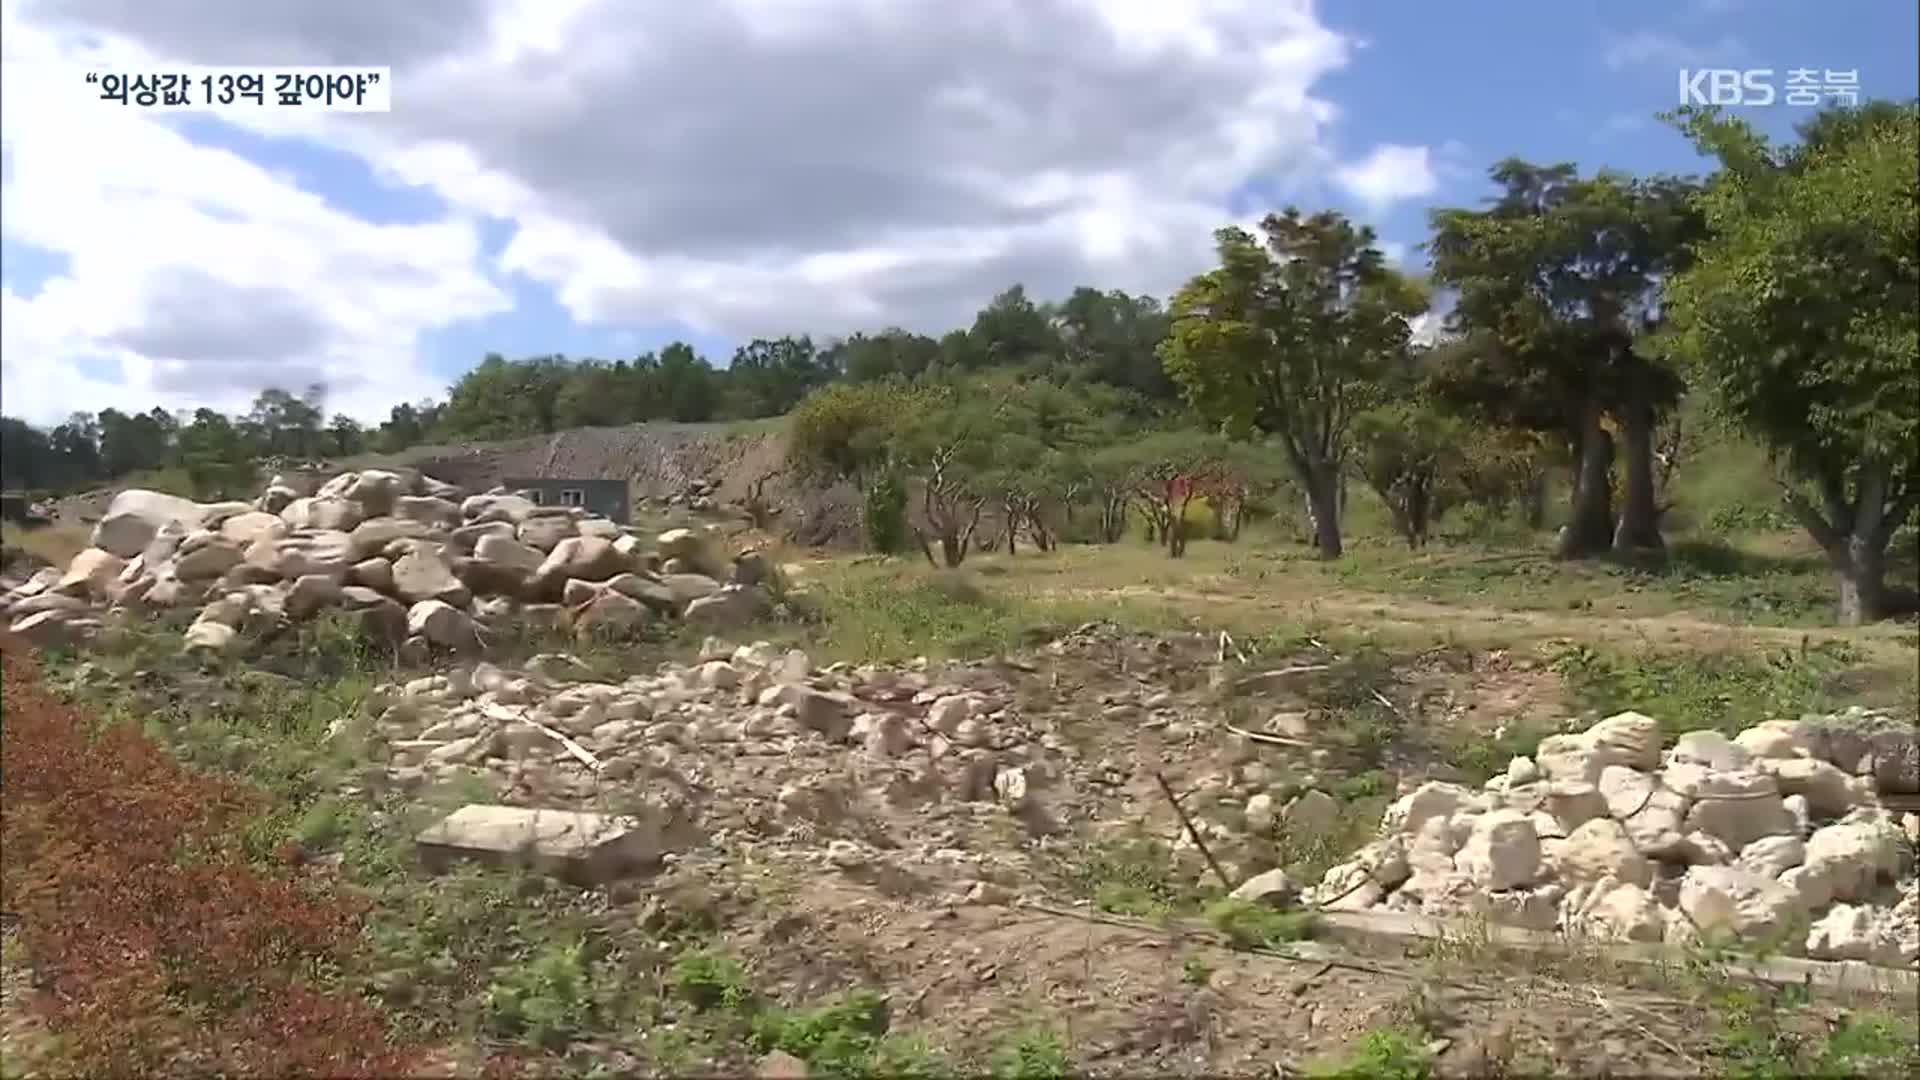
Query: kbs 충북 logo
1755, 86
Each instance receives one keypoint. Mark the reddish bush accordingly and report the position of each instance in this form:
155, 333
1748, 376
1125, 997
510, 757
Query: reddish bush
160, 947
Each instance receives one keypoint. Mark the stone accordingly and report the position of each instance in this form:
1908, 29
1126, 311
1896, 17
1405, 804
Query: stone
203, 636
1825, 787
241, 530
1651, 813
1259, 814
1534, 908
1311, 814
732, 607
90, 573
780, 1065
1569, 757
1573, 803
1845, 932
612, 612
1703, 849
1521, 770
374, 574
466, 538
309, 593
205, 555
545, 531
1502, 851
513, 509
1269, 887
1599, 849
1896, 761
323, 513
598, 526
1431, 800
946, 714
1772, 855
577, 558
1851, 856
1710, 750
427, 510
585, 848
54, 629
702, 549
135, 515
312, 552
1629, 738
421, 574
1780, 739
442, 624
1739, 808
819, 711
646, 590
686, 588
1626, 912
376, 535
1726, 898
33, 605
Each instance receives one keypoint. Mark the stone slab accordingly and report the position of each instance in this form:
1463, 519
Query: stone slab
583, 848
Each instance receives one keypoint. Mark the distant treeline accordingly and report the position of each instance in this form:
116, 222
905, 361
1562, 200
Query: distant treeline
1106, 337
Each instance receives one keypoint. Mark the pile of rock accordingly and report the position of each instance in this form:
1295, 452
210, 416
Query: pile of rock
749, 745
421, 564
1779, 833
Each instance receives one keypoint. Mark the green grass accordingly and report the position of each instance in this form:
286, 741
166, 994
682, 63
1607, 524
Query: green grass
1132, 878
1723, 691
1255, 926
1033, 1054
1385, 1053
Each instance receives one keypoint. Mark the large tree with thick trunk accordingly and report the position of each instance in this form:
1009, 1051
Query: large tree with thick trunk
1290, 339
1801, 316
1557, 285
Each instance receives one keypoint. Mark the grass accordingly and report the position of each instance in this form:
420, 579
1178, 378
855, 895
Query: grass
55, 545
1255, 926
1725, 691
1754, 1038
1383, 1053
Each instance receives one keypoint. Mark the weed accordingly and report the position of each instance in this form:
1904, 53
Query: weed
1130, 878
837, 1039
1366, 785
1033, 1054
1255, 926
1196, 971
1480, 756
1384, 1053
1869, 1044
1726, 692
543, 1001
709, 980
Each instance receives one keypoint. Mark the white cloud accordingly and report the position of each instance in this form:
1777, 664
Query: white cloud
1650, 48
203, 276
1388, 175
745, 166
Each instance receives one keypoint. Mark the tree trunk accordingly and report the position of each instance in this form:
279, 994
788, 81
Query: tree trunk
1861, 565
1590, 528
1534, 504
1639, 528
951, 551
1323, 507
1417, 514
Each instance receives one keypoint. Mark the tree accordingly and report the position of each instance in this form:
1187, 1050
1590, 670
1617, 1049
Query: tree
218, 460
1410, 455
346, 434
1113, 337
26, 456
1801, 317
1557, 285
845, 431
1287, 341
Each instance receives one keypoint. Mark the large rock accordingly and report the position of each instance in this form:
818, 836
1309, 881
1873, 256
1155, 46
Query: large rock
734, 606
310, 593
90, 573
1850, 857
817, 710
1772, 855
1502, 851
610, 612
205, 555
703, 549
1738, 808
208, 637
1711, 751
545, 531
1310, 814
376, 535
327, 552
55, 629
243, 529
1625, 911
1598, 849
135, 515
1781, 739
427, 510
376, 490
686, 588
513, 509
507, 560
584, 848
1651, 813
1896, 760
1627, 738
1727, 898
577, 558
442, 624
374, 574
1826, 789
465, 538
340, 515
420, 574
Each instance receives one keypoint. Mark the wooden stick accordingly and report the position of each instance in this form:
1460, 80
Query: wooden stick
1192, 833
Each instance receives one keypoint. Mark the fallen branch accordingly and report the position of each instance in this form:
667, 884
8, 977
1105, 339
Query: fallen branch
1192, 833
1261, 736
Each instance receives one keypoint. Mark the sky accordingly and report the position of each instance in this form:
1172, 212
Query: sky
600, 177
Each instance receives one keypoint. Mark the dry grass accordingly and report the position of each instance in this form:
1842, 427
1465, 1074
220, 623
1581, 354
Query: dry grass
55, 544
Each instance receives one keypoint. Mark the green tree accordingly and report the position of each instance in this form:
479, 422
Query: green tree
1410, 454
1113, 337
1288, 340
217, 457
1557, 286
1801, 316
345, 435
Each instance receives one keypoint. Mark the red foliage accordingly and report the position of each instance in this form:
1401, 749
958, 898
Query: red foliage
161, 948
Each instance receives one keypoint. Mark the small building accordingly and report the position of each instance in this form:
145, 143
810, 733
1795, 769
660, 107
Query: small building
609, 499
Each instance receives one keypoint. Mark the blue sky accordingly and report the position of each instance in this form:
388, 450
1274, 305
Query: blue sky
526, 256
